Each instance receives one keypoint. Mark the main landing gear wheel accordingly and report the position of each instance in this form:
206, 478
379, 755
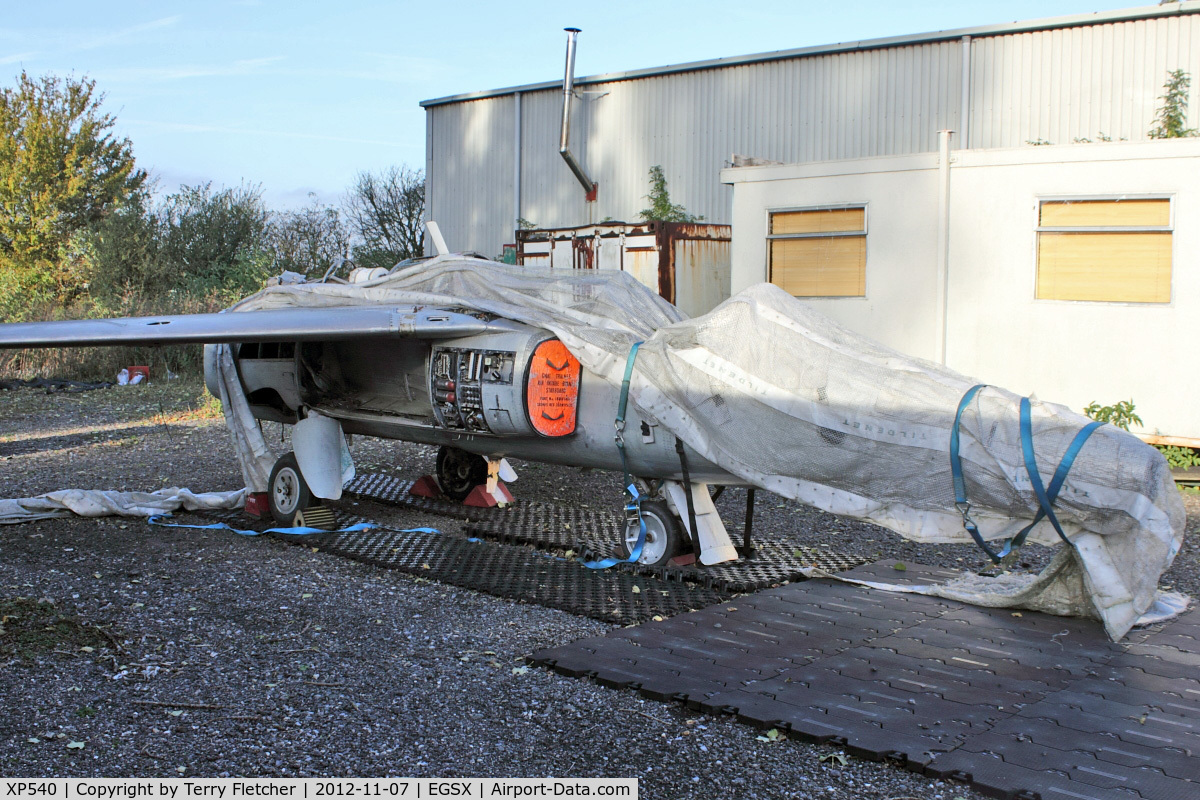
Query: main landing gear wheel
458, 472
287, 494
664, 534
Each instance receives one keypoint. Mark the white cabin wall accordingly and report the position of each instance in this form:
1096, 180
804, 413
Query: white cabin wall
997, 331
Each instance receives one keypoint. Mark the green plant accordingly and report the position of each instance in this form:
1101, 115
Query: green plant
1122, 415
1119, 414
1172, 116
1179, 457
661, 208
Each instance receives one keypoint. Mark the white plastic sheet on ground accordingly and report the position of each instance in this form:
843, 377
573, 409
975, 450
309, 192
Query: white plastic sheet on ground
95, 503
785, 398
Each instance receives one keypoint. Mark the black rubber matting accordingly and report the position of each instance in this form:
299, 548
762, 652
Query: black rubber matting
593, 534
1020, 705
518, 573
390, 489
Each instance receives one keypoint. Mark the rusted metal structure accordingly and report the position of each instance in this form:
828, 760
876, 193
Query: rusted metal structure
685, 262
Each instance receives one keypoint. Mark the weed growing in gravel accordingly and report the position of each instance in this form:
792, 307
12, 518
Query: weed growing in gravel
30, 628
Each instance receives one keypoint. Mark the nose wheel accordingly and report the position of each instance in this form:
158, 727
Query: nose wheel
287, 493
458, 472
664, 534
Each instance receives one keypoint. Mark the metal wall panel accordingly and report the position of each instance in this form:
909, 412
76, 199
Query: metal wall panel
1053, 85
469, 174
1078, 83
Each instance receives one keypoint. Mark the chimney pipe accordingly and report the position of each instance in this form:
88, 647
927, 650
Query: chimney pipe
564, 141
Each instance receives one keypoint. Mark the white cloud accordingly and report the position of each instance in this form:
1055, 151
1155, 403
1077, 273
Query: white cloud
246, 66
18, 57
56, 41
124, 34
188, 127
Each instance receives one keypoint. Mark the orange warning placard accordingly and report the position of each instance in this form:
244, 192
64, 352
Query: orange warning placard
553, 390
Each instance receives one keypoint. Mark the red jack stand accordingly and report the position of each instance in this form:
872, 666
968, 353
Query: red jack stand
256, 505
426, 486
480, 497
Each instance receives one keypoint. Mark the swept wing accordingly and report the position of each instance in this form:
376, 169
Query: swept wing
286, 324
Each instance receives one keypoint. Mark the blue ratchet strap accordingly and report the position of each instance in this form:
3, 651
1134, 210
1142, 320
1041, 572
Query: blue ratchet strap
633, 506
633, 503
1046, 497
157, 519
960, 486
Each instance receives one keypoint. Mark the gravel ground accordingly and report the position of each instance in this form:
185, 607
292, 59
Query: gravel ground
131, 650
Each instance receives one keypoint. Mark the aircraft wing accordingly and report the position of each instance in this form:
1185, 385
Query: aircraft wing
274, 325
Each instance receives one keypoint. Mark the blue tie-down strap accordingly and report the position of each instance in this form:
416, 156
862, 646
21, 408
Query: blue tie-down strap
1046, 497
633, 506
221, 526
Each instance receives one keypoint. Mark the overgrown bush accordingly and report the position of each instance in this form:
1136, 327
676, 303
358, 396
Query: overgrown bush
387, 213
311, 241
103, 363
82, 237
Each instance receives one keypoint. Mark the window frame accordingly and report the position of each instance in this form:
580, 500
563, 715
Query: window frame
1039, 229
865, 207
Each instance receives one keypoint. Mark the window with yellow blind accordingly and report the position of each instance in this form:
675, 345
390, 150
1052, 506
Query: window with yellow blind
819, 252
1105, 250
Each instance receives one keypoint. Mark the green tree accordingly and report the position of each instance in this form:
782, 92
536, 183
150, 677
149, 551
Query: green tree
386, 212
661, 208
121, 256
311, 240
1172, 116
61, 170
214, 241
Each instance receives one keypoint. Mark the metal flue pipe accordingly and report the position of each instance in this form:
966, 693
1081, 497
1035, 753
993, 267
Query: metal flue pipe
564, 141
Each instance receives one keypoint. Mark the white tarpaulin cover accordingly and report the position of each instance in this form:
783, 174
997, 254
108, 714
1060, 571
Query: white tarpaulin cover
785, 398
94, 503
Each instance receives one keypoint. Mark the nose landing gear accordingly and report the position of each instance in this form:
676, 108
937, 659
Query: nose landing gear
664, 535
288, 495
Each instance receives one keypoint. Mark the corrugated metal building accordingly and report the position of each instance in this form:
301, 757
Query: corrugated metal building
492, 156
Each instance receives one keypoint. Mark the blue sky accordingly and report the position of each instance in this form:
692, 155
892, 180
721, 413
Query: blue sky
298, 97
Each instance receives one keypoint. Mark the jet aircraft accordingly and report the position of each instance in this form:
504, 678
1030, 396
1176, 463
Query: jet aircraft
488, 361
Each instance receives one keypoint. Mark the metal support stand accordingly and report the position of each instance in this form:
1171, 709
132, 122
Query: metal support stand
747, 548
693, 534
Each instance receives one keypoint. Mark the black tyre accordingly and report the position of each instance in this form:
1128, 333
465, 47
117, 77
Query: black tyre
458, 472
664, 535
287, 492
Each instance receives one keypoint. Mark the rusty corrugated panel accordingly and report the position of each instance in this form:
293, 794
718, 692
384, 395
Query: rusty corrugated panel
659, 254
666, 264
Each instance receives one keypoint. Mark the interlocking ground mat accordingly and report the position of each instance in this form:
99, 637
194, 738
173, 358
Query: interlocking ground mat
1018, 704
